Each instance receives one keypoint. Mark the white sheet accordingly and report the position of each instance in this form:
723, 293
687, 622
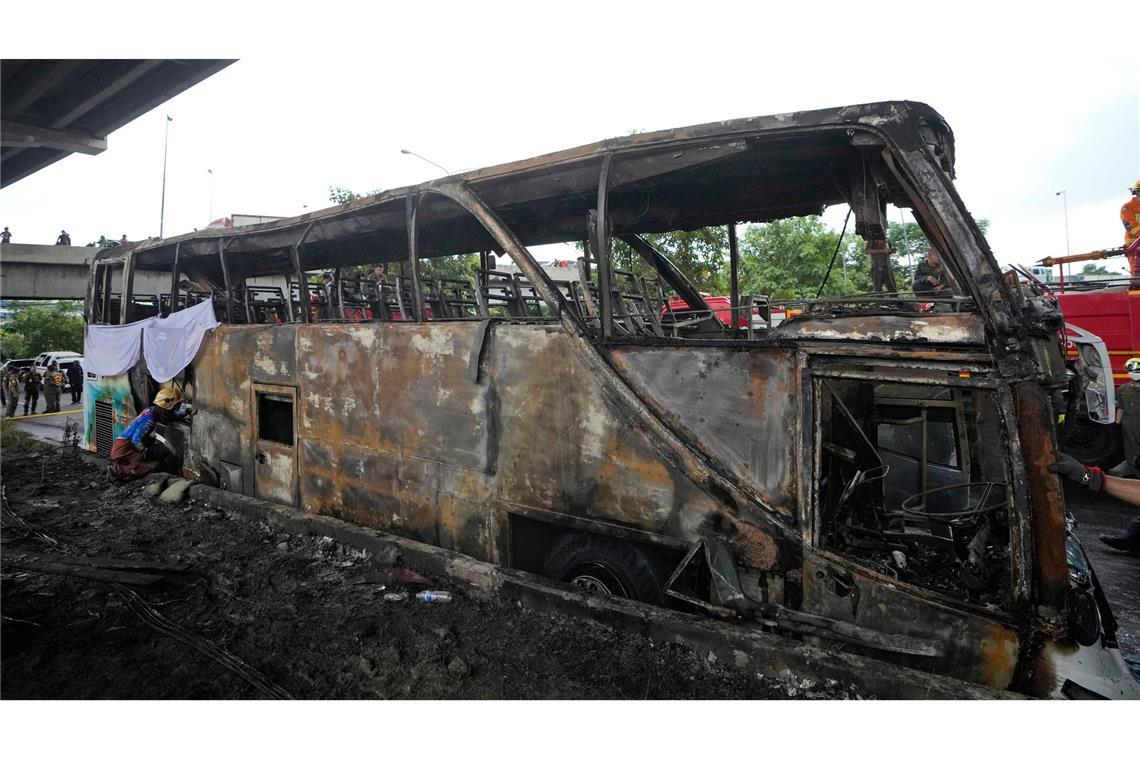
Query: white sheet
113, 349
170, 344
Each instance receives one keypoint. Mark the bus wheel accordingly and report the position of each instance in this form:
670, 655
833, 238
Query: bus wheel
1091, 443
601, 565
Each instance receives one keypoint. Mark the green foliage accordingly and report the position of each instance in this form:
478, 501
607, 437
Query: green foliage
788, 258
104, 242
460, 267
36, 328
338, 194
1098, 269
911, 245
15, 442
702, 255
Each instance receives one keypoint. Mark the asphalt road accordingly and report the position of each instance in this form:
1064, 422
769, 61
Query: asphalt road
49, 428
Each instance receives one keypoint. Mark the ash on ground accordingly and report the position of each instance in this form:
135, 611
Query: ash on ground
250, 612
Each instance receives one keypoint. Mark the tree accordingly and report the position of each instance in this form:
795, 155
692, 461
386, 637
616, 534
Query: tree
1098, 269
701, 255
338, 194
788, 258
36, 328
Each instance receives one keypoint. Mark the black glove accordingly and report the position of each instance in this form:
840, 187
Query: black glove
1091, 478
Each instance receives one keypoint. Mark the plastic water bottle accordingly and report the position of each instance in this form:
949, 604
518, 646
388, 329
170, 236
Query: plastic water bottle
437, 597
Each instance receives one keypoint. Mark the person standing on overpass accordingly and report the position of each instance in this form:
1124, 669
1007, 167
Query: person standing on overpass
63, 239
5, 237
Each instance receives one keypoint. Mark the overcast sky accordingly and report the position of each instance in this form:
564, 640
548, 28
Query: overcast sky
1039, 103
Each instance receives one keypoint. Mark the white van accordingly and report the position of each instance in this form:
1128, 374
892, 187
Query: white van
63, 358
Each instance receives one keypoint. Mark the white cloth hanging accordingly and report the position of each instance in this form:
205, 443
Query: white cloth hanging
170, 344
113, 349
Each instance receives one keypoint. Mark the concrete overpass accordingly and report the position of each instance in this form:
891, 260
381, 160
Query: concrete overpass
53, 108
58, 272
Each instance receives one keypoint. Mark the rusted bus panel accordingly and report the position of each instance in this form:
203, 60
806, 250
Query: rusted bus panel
975, 647
275, 474
419, 430
740, 406
1046, 502
271, 349
566, 447
223, 426
392, 387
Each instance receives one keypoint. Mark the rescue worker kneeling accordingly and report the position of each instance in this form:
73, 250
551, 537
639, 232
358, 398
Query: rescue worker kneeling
136, 452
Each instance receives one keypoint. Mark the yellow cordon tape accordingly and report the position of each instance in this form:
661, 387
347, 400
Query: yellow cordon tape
42, 414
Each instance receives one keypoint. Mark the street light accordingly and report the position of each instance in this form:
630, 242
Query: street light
407, 152
162, 209
1065, 197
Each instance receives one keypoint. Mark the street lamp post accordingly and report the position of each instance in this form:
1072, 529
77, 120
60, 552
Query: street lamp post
1065, 198
162, 209
211, 219
407, 152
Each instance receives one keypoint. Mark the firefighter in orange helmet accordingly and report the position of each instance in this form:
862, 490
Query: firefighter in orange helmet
1130, 217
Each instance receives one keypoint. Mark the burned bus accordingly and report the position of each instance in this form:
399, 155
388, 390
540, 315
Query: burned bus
871, 471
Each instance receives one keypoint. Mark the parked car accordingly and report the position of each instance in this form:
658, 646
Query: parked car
63, 358
16, 364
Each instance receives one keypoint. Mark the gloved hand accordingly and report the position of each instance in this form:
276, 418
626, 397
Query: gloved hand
1091, 478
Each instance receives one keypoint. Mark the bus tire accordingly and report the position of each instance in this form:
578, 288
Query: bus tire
603, 565
1092, 443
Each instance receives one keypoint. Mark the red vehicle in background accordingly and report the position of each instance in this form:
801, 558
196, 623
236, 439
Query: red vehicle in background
762, 316
1110, 310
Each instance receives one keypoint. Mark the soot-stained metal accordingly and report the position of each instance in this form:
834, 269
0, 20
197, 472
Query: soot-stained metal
866, 470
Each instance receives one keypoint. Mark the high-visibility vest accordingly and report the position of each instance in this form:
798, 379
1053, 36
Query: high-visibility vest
1130, 215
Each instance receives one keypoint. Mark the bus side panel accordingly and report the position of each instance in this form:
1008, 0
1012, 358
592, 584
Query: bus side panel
229, 362
565, 446
404, 389
738, 406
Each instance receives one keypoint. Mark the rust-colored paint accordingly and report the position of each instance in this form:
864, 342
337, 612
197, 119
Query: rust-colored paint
1039, 450
999, 649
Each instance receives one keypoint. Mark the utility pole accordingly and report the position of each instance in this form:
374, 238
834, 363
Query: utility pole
1065, 197
165, 144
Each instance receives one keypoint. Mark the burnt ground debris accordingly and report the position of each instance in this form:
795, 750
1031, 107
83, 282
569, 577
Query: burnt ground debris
290, 609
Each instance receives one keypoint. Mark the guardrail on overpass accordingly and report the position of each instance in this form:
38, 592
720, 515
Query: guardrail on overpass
58, 272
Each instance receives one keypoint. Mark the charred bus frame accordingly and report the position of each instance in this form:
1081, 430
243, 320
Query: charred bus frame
871, 472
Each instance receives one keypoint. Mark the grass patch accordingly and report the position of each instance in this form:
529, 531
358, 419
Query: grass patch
15, 442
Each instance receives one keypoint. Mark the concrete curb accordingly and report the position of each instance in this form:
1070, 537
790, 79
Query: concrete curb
736, 645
